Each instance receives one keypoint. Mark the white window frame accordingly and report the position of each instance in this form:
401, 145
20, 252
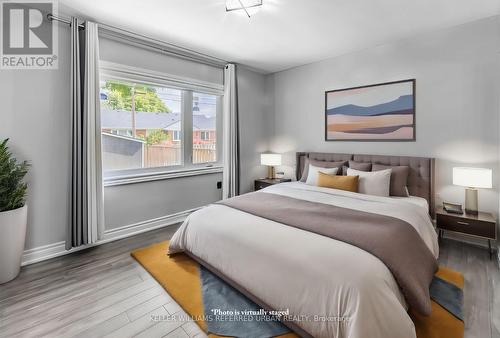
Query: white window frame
114, 71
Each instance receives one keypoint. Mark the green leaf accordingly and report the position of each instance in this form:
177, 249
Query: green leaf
12, 188
145, 97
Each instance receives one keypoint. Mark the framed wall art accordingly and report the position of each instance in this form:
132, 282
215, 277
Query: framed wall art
378, 112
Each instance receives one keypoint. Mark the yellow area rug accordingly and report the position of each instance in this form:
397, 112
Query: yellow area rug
180, 276
441, 323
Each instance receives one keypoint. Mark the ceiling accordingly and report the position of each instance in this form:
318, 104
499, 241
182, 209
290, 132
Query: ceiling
282, 33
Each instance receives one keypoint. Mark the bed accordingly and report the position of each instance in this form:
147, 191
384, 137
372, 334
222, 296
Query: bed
331, 288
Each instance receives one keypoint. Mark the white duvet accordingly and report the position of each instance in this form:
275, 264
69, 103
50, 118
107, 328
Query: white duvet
318, 279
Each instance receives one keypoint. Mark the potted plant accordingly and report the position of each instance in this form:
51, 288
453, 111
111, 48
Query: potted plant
13, 213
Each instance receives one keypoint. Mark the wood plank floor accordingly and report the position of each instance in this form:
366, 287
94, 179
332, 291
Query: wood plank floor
481, 290
103, 291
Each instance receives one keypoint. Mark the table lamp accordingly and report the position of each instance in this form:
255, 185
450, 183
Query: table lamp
472, 179
270, 160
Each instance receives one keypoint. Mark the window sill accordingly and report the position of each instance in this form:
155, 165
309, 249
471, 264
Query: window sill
165, 175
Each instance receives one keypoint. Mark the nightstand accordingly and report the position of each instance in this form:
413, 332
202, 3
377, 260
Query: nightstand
261, 183
481, 226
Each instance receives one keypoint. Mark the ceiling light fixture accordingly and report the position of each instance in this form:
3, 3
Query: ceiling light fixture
234, 5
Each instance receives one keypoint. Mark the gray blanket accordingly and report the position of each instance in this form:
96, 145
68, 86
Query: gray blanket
395, 242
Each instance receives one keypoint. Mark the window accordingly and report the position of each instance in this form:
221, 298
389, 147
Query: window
205, 135
176, 135
149, 127
136, 121
204, 128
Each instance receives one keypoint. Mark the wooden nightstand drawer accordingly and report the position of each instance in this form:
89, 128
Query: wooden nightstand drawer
261, 185
266, 182
466, 225
482, 225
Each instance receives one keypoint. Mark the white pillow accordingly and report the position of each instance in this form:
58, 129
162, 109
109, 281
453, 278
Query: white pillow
312, 175
373, 182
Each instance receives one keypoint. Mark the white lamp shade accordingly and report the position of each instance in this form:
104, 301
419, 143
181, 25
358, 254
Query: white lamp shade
472, 177
270, 159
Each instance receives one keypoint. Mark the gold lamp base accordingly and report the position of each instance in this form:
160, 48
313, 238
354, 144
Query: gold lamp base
271, 172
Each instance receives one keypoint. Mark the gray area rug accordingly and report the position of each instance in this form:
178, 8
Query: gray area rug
448, 296
217, 295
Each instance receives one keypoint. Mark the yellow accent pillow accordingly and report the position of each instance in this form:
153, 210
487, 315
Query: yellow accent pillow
348, 183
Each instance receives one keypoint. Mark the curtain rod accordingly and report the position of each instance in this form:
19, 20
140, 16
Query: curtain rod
52, 17
144, 41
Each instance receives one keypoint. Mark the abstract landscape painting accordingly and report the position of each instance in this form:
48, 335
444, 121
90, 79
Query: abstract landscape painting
381, 112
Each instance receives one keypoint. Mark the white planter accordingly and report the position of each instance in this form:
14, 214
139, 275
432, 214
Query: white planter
12, 237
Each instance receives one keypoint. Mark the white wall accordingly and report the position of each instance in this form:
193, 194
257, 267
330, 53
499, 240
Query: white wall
255, 113
35, 116
118, 52
457, 86
133, 203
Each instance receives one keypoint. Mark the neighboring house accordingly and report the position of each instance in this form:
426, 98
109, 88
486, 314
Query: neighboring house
203, 129
119, 122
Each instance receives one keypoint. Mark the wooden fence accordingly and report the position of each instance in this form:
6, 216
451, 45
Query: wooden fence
203, 153
164, 155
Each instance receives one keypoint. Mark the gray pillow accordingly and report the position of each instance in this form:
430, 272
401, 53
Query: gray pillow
399, 178
322, 164
361, 166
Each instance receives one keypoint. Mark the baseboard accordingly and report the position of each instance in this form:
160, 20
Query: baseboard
43, 252
467, 239
139, 227
49, 251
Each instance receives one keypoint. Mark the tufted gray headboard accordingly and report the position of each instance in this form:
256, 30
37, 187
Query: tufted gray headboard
420, 178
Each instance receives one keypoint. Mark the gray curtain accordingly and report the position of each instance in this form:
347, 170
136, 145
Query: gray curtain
86, 217
77, 234
231, 174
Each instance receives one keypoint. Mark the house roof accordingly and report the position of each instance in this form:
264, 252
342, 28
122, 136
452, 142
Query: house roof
203, 122
121, 119
121, 137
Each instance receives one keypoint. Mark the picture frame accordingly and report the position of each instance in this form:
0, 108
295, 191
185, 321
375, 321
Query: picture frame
381, 112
